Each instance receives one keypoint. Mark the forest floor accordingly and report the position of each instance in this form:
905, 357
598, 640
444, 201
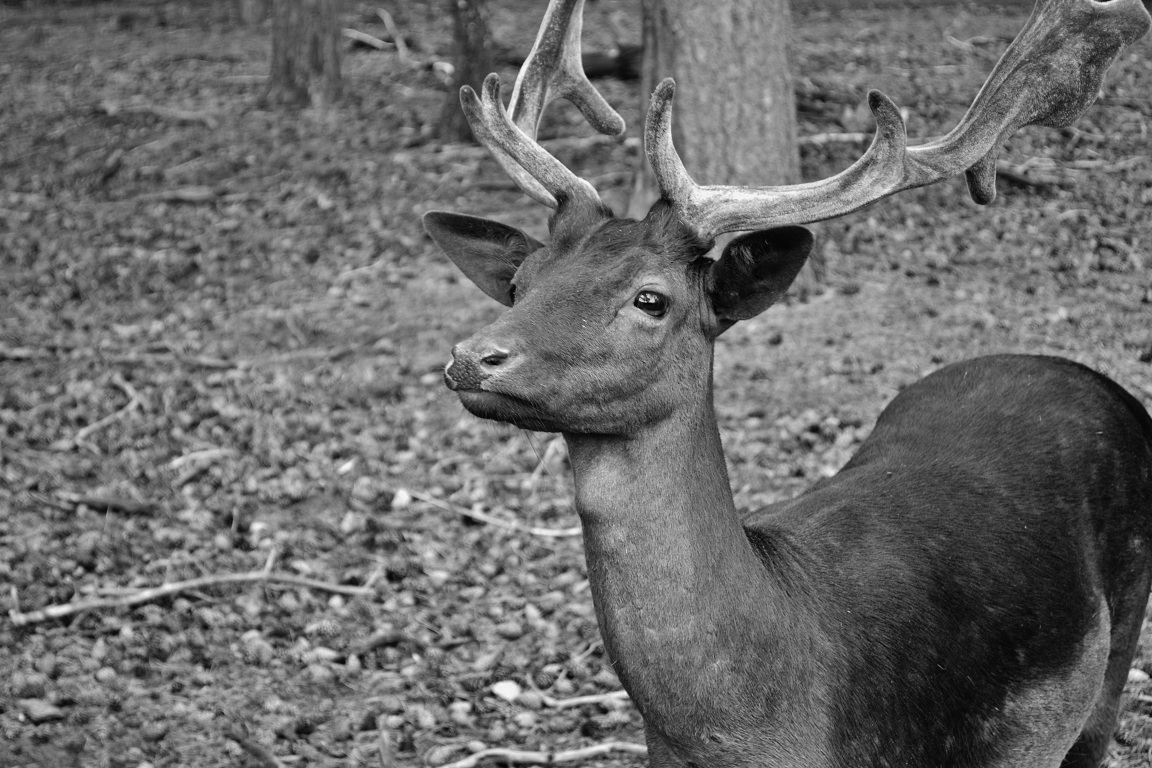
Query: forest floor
222, 331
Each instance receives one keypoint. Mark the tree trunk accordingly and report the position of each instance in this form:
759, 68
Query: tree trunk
252, 12
735, 111
473, 61
305, 53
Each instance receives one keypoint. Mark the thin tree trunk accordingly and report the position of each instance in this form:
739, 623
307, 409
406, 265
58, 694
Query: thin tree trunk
305, 53
473, 61
735, 111
252, 12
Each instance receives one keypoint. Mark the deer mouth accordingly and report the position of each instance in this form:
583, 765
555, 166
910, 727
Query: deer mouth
511, 409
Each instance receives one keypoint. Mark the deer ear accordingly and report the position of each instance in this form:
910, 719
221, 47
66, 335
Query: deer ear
755, 271
488, 252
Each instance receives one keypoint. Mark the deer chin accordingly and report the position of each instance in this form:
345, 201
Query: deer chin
499, 406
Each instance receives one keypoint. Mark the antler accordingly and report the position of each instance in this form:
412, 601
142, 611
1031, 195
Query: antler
1048, 76
552, 69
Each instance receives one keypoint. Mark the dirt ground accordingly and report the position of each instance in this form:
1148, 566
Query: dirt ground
221, 337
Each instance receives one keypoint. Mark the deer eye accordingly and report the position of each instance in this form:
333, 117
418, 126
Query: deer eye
652, 303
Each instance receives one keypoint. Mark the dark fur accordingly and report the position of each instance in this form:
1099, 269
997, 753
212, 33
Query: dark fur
1039, 473
939, 602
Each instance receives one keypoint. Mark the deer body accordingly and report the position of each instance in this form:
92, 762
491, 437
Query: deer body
966, 592
931, 604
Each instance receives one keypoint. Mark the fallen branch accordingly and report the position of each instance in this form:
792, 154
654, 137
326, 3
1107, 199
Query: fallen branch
517, 757
112, 109
364, 38
397, 38
511, 525
239, 734
23, 353
579, 701
191, 195
208, 455
452, 152
384, 751
106, 503
135, 401
194, 464
824, 139
149, 595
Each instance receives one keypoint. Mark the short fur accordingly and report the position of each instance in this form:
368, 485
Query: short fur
967, 592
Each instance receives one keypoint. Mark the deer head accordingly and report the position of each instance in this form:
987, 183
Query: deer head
612, 322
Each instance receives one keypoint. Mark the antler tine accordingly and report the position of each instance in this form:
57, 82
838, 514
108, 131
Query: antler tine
553, 69
1048, 76
554, 63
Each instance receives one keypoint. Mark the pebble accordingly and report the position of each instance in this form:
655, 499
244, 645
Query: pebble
530, 700
154, 732
40, 711
27, 685
509, 690
421, 717
105, 675
441, 754
1138, 676
365, 489
321, 673
460, 712
510, 630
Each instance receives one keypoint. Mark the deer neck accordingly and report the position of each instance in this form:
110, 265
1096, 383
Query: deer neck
687, 609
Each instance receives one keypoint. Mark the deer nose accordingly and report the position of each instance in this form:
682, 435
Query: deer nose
472, 363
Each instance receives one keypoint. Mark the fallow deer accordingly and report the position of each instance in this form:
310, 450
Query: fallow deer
967, 591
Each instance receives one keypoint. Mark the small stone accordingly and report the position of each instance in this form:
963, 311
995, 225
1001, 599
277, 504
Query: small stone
365, 489
391, 704
401, 499
510, 630
525, 720
327, 655
28, 685
46, 664
105, 675
421, 717
1138, 676
353, 522
530, 700
460, 712
40, 711
509, 690
321, 673
475, 746
441, 754
154, 732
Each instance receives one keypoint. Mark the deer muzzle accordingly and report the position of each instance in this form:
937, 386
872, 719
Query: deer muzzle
473, 362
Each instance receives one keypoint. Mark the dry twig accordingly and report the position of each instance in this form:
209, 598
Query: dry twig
239, 734
579, 701
518, 757
23, 353
511, 525
135, 401
104, 503
112, 109
364, 38
63, 610
385, 753
397, 38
